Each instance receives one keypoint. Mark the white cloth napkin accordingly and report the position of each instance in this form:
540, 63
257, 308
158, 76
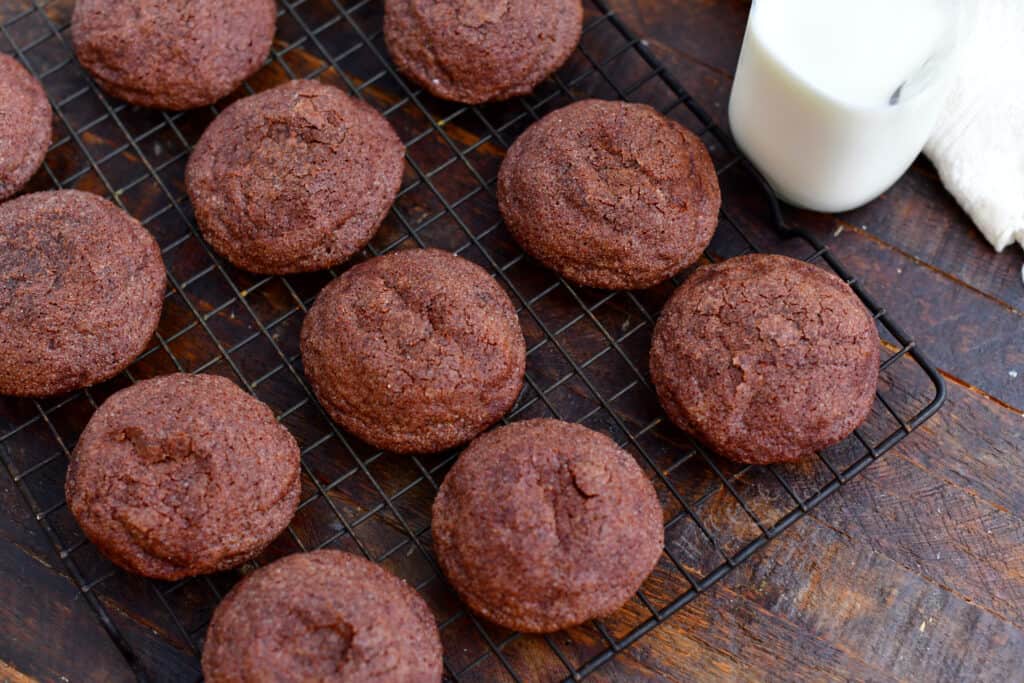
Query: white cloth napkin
978, 146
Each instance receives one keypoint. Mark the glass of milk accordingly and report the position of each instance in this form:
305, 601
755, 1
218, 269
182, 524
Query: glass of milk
834, 99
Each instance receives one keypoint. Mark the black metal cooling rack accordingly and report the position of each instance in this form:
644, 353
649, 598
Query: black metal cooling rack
587, 349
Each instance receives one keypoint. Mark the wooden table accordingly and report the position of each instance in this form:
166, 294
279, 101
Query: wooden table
914, 571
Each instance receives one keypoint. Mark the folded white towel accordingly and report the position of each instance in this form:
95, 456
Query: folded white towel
978, 146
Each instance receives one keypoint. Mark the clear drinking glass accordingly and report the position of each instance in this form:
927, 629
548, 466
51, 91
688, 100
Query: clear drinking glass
834, 99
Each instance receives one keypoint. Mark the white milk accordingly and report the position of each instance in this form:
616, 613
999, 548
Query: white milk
833, 99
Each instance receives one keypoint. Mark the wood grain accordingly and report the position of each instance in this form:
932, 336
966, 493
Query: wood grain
914, 571
48, 631
9, 674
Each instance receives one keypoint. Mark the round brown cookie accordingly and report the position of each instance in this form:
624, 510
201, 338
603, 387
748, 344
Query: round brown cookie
172, 54
476, 51
322, 616
765, 358
414, 352
183, 475
610, 194
25, 129
542, 525
81, 290
294, 179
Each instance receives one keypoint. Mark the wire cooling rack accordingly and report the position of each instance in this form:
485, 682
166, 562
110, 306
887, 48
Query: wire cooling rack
587, 349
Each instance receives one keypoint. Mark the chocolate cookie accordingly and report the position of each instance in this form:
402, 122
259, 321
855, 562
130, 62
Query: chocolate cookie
322, 616
414, 352
296, 178
542, 525
183, 475
610, 194
765, 358
172, 54
81, 290
25, 129
472, 51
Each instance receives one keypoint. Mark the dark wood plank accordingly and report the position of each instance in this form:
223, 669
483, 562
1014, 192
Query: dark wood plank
18, 526
967, 334
918, 216
49, 631
41, 605
706, 32
973, 444
727, 636
863, 602
949, 536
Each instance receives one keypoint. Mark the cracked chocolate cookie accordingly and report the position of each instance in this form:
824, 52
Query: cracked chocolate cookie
25, 126
294, 179
542, 525
765, 358
610, 194
183, 475
172, 54
414, 352
322, 616
81, 290
476, 51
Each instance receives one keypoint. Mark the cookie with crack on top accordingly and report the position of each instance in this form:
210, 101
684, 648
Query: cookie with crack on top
322, 616
81, 290
25, 126
542, 525
294, 179
475, 51
765, 358
610, 194
172, 54
183, 475
414, 352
